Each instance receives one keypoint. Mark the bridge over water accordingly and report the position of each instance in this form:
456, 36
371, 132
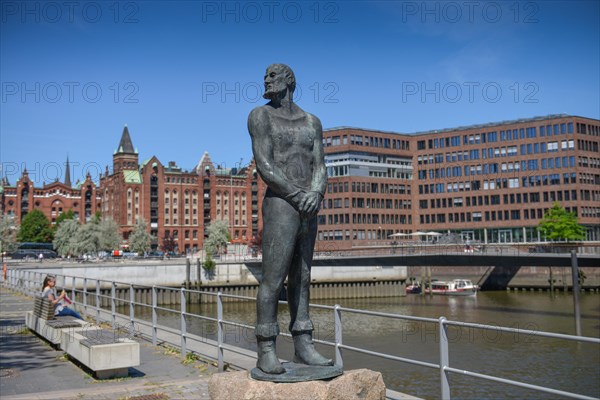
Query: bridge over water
502, 266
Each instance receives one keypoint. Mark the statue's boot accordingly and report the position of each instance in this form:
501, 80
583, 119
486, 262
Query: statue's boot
305, 352
267, 357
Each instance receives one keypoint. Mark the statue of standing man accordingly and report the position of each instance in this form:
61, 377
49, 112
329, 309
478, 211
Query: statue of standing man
287, 144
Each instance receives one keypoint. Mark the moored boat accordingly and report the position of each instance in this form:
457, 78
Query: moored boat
456, 287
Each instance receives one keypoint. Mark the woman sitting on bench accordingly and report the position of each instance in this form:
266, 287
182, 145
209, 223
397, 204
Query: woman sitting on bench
49, 292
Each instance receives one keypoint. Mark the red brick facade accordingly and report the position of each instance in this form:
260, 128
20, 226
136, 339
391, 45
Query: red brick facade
52, 199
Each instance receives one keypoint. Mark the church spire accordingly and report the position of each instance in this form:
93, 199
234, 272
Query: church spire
125, 145
68, 173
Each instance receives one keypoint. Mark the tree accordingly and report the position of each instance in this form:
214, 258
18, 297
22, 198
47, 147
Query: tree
88, 239
139, 240
209, 266
110, 238
559, 224
35, 228
218, 235
66, 237
64, 217
8, 234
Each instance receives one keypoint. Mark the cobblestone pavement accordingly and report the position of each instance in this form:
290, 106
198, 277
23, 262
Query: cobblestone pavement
31, 369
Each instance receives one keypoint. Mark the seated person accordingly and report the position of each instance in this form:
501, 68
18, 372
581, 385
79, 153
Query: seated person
50, 293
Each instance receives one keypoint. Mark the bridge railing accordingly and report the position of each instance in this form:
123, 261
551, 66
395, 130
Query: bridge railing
471, 248
29, 282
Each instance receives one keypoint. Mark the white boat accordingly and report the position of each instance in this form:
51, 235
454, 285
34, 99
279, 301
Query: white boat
457, 287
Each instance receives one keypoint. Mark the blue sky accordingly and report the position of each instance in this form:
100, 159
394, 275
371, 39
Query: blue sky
184, 75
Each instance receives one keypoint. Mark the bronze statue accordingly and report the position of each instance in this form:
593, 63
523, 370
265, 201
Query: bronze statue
287, 144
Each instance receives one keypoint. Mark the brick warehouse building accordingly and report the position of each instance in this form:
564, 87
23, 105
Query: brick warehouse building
490, 182
52, 199
180, 204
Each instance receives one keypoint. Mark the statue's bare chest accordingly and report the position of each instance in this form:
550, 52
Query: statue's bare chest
292, 136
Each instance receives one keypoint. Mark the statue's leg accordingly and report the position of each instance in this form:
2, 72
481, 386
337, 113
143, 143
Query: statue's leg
279, 232
301, 326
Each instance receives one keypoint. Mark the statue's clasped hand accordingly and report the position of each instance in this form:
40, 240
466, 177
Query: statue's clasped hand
309, 204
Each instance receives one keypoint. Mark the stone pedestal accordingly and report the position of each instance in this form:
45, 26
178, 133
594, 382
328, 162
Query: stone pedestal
356, 384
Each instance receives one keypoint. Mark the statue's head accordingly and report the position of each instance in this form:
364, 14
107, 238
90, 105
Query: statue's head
278, 79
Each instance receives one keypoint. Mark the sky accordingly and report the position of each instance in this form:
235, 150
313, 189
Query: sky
184, 75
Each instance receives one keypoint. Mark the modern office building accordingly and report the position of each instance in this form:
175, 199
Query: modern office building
489, 183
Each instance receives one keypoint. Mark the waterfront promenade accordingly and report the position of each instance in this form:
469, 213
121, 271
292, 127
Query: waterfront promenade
31, 369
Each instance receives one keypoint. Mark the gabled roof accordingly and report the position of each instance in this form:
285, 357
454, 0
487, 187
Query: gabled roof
205, 161
132, 176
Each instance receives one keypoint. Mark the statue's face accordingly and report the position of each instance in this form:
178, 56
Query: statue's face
275, 82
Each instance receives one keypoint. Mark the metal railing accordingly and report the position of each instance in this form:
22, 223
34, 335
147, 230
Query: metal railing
28, 282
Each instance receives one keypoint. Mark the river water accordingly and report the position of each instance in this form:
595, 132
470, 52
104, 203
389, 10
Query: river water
559, 364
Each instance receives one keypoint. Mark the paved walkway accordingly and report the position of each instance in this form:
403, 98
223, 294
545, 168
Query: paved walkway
31, 369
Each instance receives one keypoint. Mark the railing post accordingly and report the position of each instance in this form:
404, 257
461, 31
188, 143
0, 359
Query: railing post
73, 281
131, 305
21, 288
575, 280
220, 363
98, 301
85, 295
154, 316
337, 318
444, 360
29, 283
183, 324
113, 303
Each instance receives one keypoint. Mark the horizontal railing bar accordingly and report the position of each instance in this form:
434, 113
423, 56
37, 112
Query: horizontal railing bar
322, 306
212, 319
324, 342
234, 296
204, 317
237, 324
517, 383
389, 357
388, 315
524, 331
167, 309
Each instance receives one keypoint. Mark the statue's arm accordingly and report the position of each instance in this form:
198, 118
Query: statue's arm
319, 180
310, 203
262, 148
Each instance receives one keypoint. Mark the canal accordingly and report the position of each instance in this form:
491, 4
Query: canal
554, 363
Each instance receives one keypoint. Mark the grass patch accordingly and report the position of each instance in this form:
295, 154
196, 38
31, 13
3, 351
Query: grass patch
190, 358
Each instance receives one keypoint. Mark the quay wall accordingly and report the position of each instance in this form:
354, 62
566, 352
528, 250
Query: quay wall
228, 278
172, 296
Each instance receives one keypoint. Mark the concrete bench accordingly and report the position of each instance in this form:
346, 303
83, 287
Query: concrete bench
100, 350
43, 321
